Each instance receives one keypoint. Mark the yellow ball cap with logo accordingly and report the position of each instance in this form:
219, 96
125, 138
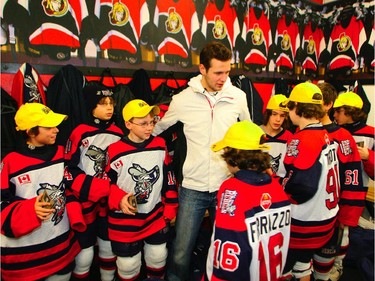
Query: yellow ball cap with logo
243, 135
348, 99
304, 93
138, 108
30, 115
276, 102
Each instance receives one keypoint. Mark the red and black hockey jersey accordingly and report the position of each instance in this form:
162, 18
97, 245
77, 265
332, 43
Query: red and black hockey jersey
345, 43
28, 86
145, 171
313, 44
220, 24
32, 249
352, 192
86, 157
120, 26
312, 184
174, 28
258, 37
277, 151
56, 23
251, 231
287, 42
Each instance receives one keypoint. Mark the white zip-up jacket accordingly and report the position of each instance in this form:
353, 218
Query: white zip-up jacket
206, 119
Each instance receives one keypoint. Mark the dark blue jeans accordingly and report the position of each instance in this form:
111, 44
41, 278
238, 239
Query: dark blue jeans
192, 207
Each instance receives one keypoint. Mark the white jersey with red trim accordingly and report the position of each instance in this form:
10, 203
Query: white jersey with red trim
258, 37
312, 184
32, 249
251, 231
313, 44
345, 43
277, 151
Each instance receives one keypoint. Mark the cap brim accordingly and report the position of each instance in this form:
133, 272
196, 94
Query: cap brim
285, 102
53, 120
337, 103
218, 146
146, 110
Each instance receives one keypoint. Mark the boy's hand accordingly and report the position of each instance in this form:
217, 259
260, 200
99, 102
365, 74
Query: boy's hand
43, 210
363, 152
126, 207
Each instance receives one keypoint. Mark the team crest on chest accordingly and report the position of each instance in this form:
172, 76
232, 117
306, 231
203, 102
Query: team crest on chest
173, 24
119, 15
99, 156
55, 8
144, 181
219, 30
227, 202
56, 197
275, 162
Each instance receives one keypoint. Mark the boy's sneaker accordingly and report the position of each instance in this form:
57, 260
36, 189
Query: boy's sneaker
336, 272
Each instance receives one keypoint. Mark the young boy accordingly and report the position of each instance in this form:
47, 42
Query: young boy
349, 115
352, 192
36, 240
274, 123
312, 180
85, 155
252, 227
143, 198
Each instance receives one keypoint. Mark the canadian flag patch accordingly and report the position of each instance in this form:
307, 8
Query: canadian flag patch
24, 179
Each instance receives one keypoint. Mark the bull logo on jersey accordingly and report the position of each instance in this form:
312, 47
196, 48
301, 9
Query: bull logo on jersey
275, 162
173, 24
56, 196
99, 156
344, 43
119, 15
220, 29
55, 8
311, 46
292, 149
257, 38
227, 202
144, 181
265, 201
285, 41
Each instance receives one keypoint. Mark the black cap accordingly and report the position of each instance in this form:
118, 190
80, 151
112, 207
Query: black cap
93, 93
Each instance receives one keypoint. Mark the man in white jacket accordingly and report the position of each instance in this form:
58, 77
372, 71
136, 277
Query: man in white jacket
207, 108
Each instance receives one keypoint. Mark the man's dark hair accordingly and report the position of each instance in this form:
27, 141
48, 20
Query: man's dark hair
214, 50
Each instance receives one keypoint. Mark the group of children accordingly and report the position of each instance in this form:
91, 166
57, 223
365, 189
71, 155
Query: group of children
289, 210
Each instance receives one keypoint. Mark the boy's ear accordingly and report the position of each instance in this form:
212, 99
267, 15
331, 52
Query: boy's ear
127, 124
29, 133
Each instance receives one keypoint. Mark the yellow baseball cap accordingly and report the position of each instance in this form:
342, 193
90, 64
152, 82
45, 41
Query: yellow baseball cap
243, 135
138, 108
30, 115
304, 93
349, 99
276, 103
